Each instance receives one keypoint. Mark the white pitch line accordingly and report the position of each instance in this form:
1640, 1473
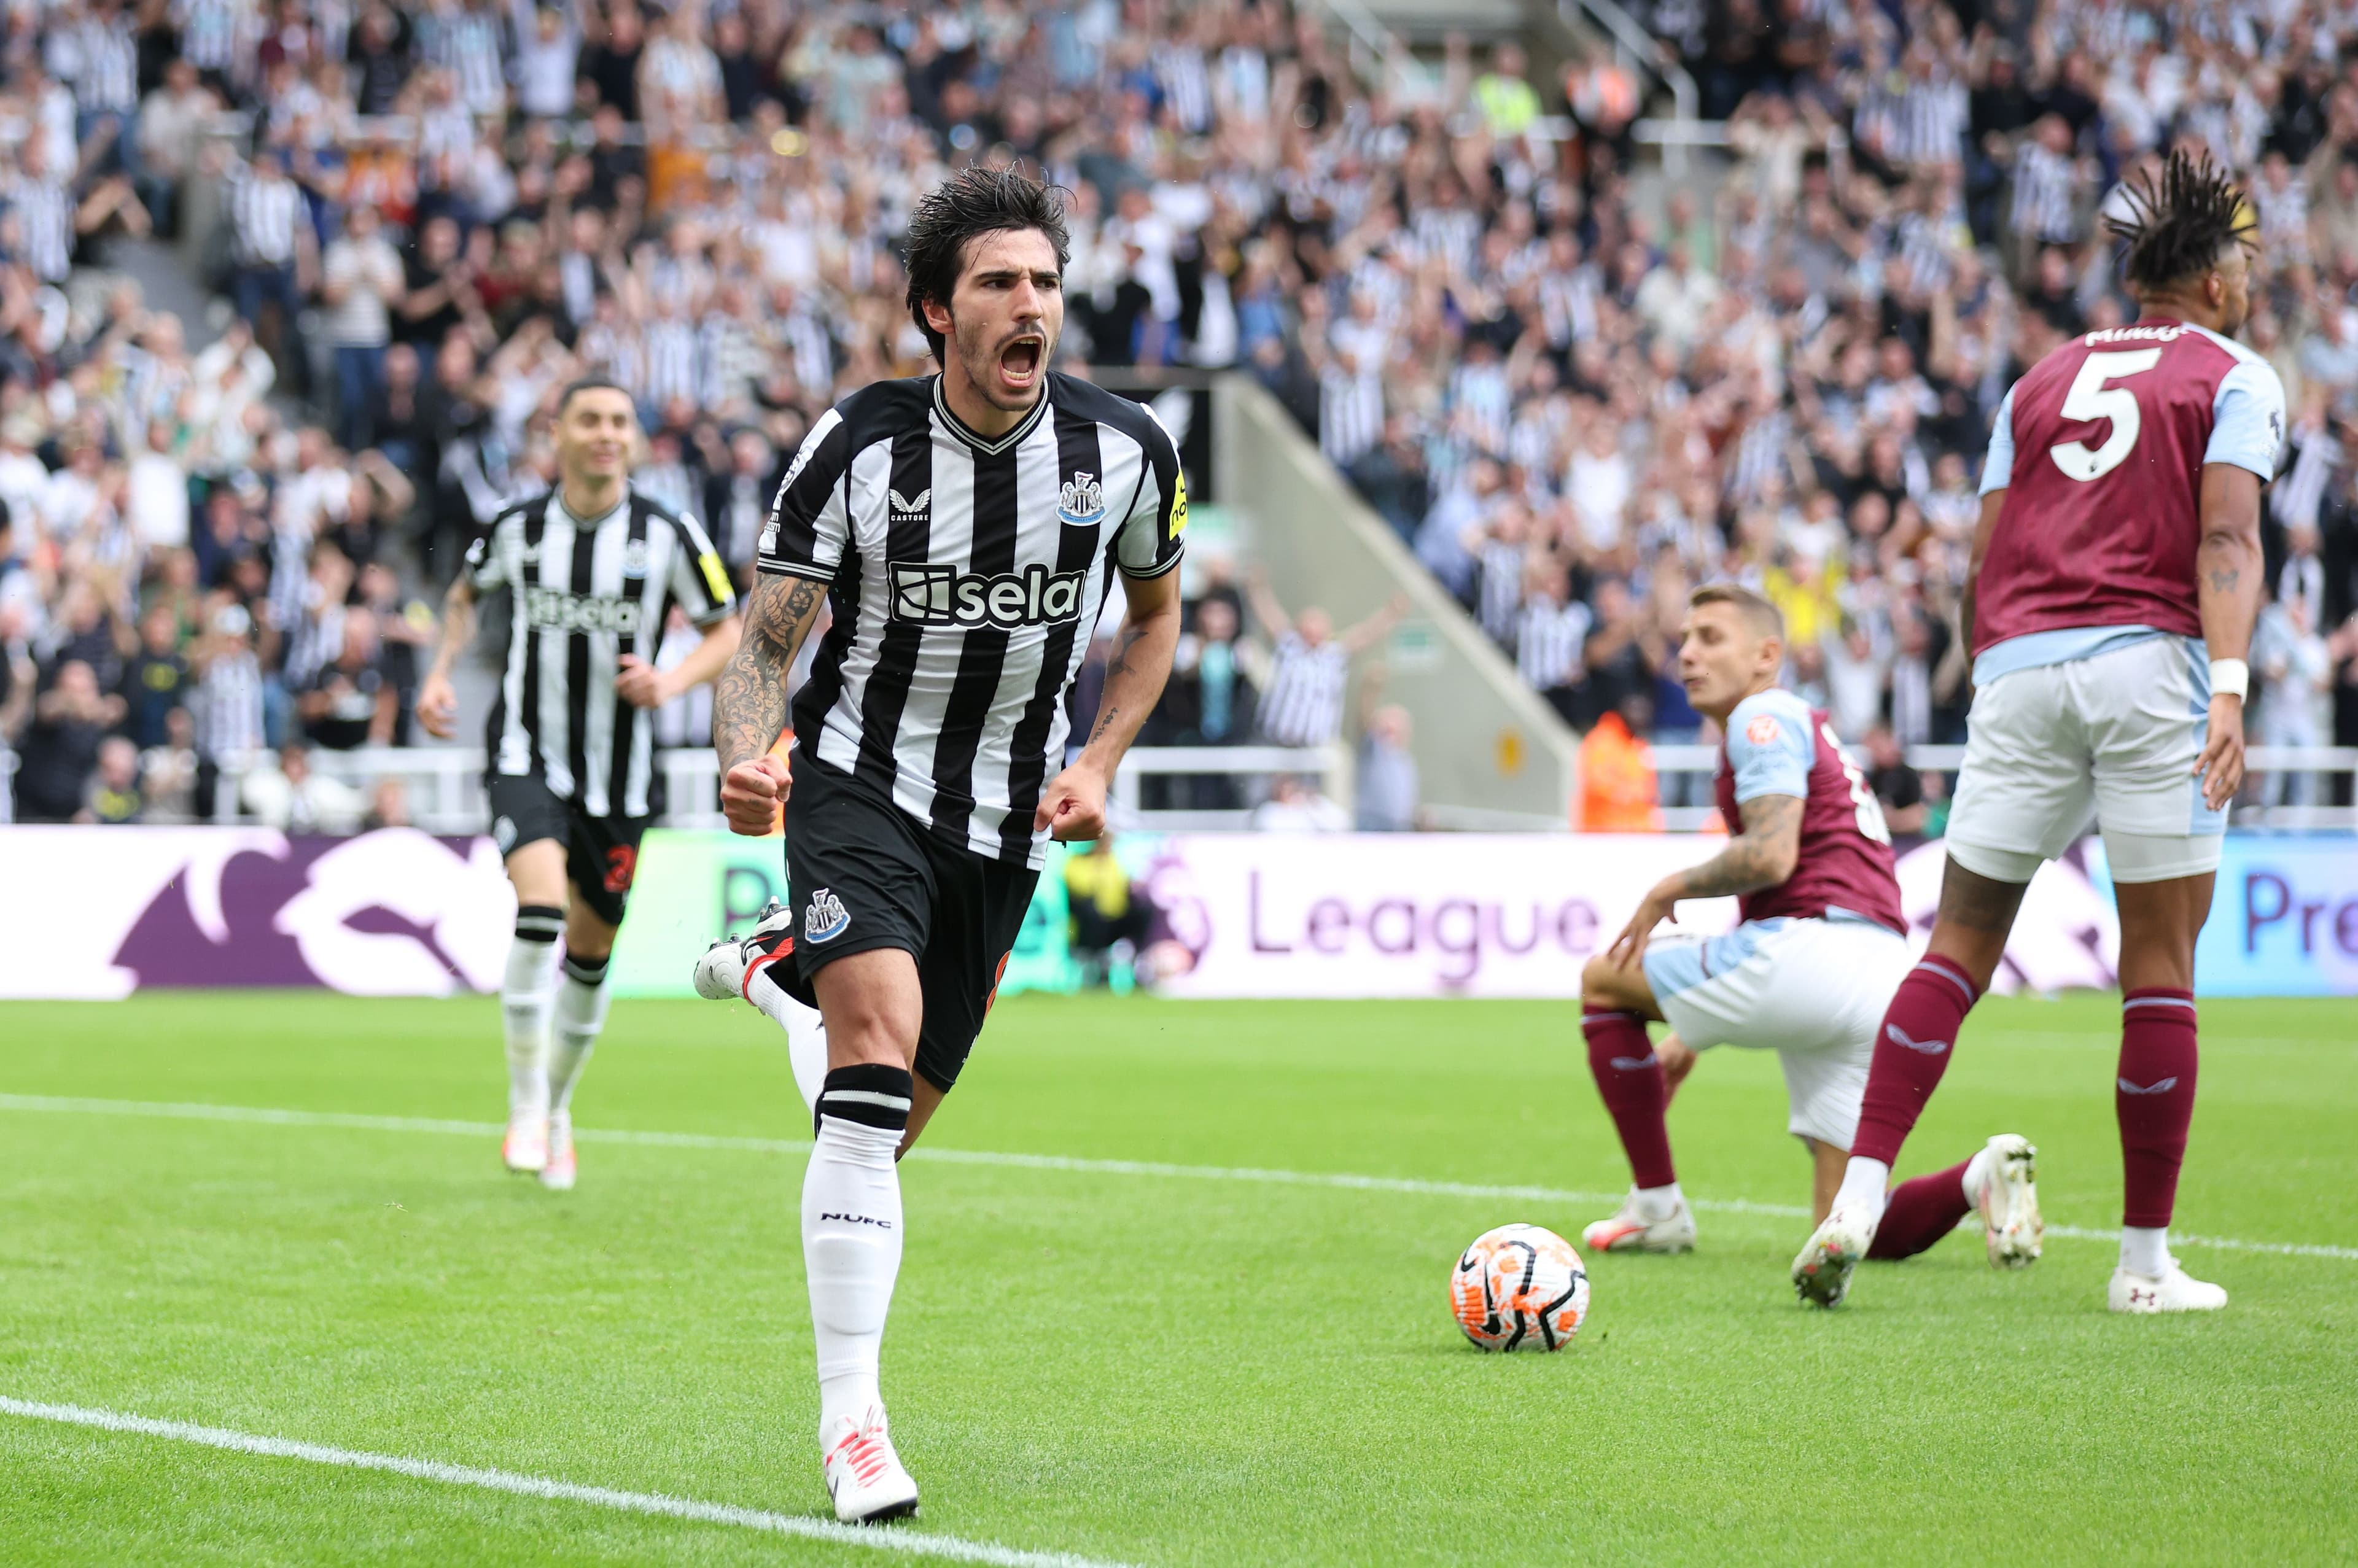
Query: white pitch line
909, 1543
1330, 1179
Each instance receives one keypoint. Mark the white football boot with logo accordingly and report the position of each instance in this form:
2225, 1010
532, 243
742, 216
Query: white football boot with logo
863, 1474
2011, 1227
524, 1149
1822, 1269
558, 1173
1631, 1231
721, 972
2171, 1290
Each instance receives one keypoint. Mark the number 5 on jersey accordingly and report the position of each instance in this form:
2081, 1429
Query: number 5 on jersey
2090, 398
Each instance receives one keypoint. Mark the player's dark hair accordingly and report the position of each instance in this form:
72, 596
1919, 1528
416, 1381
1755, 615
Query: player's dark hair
581, 385
2179, 224
973, 202
1754, 606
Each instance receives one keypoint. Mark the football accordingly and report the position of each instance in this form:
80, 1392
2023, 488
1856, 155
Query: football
1519, 1287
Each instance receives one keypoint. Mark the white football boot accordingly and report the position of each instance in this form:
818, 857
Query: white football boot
2011, 1226
558, 1173
863, 1474
1822, 1269
524, 1149
1630, 1231
721, 972
2172, 1291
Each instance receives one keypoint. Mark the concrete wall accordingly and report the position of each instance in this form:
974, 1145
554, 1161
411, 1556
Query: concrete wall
1491, 754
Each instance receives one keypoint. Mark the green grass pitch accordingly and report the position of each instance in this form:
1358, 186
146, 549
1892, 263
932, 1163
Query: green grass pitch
1140, 1367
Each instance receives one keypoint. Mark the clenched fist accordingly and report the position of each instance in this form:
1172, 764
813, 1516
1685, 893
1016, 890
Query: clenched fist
752, 794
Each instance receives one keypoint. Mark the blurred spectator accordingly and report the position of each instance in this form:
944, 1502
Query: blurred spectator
1619, 793
60, 750
1898, 786
113, 796
285, 792
1385, 792
361, 281
2296, 707
1107, 919
388, 805
1311, 666
349, 702
1296, 805
155, 681
228, 699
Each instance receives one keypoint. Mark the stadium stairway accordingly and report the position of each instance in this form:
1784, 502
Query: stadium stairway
1490, 753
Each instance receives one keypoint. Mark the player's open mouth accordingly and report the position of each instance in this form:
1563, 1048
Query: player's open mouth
1019, 361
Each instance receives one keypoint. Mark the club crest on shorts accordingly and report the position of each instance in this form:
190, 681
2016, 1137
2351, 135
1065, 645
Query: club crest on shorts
826, 919
503, 834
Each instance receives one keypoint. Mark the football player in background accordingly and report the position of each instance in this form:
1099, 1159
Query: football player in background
592, 568
1807, 973
2113, 584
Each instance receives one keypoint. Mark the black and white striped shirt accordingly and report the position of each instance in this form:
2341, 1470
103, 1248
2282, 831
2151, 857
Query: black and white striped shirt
262, 216
1304, 704
1549, 641
586, 593
967, 573
108, 82
45, 223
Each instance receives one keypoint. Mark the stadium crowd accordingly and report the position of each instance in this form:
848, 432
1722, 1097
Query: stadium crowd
1574, 388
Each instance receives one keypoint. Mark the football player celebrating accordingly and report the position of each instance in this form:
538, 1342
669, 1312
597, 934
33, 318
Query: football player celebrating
592, 568
2112, 586
1821, 946
966, 527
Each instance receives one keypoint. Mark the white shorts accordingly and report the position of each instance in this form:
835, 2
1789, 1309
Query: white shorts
2111, 738
1813, 991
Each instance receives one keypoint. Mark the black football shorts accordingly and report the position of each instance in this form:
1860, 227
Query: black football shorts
601, 853
864, 874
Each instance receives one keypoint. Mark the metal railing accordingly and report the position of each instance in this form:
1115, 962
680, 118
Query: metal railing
445, 784
446, 792
2265, 763
1634, 49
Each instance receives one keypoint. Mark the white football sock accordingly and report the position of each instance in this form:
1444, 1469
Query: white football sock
1865, 1184
1655, 1205
1977, 1174
525, 994
2145, 1250
580, 1015
851, 1253
805, 1032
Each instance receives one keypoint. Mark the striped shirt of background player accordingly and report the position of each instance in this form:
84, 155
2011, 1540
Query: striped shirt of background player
579, 607
960, 723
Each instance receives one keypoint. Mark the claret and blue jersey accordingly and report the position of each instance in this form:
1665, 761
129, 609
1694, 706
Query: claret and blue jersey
2099, 450
1778, 744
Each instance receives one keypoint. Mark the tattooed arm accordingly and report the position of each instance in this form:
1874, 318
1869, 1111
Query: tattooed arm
749, 701
1074, 805
2227, 573
1762, 856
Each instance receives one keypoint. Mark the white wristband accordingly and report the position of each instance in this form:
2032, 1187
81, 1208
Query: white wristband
2230, 677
